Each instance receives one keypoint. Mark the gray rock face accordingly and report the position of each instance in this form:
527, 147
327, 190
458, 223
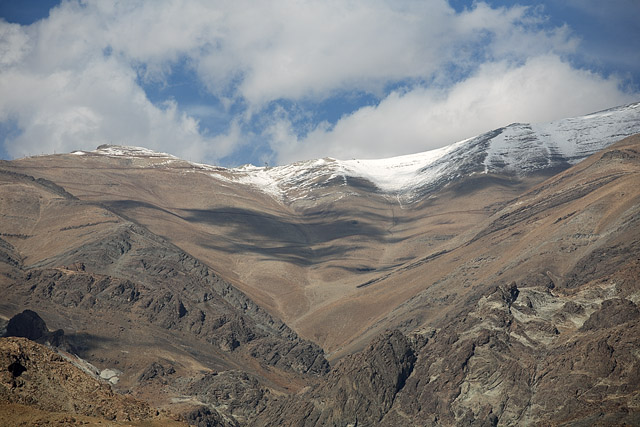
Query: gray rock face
502, 360
612, 312
241, 394
206, 417
156, 371
174, 291
360, 390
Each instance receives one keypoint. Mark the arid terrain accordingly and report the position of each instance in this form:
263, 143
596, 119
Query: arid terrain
487, 296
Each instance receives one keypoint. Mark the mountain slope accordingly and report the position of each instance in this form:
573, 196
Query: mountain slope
536, 325
317, 232
518, 149
496, 264
129, 300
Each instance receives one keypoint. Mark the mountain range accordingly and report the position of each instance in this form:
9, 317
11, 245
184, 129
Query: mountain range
490, 282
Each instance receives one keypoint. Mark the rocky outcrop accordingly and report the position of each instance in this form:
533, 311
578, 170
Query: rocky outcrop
204, 416
30, 325
141, 271
27, 325
612, 312
34, 375
195, 308
236, 393
523, 361
360, 390
513, 356
156, 371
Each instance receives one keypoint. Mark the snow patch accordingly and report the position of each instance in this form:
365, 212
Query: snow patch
397, 173
111, 375
518, 148
124, 151
257, 178
527, 147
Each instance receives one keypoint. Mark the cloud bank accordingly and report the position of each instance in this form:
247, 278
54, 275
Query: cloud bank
496, 95
431, 75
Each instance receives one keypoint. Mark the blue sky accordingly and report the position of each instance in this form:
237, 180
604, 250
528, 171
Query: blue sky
275, 82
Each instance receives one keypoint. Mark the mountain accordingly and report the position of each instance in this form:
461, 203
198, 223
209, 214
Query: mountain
518, 149
535, 322
491, 281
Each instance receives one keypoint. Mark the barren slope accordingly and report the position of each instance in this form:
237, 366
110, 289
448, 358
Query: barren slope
532, 321
134, 303
305, 263
321, 244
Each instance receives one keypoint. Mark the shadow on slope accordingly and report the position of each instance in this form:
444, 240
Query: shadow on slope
291, 239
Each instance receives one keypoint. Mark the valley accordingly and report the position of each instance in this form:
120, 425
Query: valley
424, 289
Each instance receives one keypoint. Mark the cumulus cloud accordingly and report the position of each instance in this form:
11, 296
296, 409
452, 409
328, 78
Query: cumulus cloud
426, 118
80, 77
82, 108
64, 92
295, 50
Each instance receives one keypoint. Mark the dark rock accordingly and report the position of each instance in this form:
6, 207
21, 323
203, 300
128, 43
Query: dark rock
156, 370
16, 369
511, 293
360, 390
207, 417
571, 307
30, 325
612, 312
27, 325
239, 392
182, 311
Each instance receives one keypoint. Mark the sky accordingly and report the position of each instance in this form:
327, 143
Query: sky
274, 82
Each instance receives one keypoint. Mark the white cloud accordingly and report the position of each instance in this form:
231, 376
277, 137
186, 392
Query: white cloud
13, 44
101, 103
294, 49
63, 93
542, 89
264, 51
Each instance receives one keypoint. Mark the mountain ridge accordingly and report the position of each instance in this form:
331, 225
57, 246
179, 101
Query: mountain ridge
538, 147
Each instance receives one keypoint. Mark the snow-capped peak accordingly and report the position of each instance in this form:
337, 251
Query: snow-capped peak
518, 149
